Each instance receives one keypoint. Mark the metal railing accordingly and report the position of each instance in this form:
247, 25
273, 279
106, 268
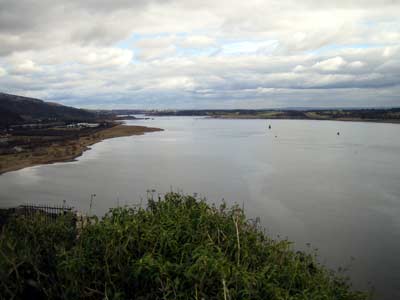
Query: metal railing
50, 211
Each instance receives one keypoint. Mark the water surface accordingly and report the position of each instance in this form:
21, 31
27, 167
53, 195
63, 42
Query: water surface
339, 193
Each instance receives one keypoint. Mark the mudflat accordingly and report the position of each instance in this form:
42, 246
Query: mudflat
65, 150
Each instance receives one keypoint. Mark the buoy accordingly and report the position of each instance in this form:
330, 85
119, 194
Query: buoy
338, 133
269, 127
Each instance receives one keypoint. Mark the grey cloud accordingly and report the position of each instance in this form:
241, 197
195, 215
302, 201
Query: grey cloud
47, 23
200, 80
67, 51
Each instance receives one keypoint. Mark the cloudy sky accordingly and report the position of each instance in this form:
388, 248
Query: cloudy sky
202, 54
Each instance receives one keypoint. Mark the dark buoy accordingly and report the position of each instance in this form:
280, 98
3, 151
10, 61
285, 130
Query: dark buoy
338, 133
269, 127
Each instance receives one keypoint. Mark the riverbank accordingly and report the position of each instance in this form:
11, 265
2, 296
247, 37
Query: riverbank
306, 116
310, 119
378, 115
66, 150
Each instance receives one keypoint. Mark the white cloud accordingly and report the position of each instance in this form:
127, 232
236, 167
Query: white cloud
202, 53
331, 64
106, 57
299, 68
156, 48
197, 41
26, 66
356, 64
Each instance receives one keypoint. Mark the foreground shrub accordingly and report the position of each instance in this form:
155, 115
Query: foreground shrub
176, 248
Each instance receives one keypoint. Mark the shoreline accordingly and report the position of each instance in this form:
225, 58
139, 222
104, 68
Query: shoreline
305, 119
68, 150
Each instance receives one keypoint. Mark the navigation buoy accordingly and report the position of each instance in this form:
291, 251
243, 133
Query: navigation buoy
338, 133
269, 127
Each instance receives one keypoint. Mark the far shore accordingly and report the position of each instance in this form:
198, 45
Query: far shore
251, 117
68, 150
377, 115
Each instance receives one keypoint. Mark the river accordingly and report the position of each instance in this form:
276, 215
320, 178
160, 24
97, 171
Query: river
340, 193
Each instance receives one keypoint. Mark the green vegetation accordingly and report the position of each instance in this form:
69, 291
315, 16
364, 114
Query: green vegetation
386, 115
19, 110
176, 248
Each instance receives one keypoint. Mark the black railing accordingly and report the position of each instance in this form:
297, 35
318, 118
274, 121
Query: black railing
50, 211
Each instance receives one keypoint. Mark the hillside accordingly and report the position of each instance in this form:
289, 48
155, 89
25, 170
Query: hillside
17, 109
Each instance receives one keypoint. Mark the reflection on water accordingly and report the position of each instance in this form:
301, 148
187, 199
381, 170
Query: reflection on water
340, 193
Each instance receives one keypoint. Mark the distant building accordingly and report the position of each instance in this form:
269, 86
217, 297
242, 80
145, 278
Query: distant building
83, 125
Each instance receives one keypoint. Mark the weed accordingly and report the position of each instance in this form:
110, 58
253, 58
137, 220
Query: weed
176, 248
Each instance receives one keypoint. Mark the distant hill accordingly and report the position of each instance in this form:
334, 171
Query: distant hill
17, 109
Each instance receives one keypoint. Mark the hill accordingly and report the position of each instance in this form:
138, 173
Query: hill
17, 109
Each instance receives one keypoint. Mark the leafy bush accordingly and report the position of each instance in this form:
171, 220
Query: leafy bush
176, 248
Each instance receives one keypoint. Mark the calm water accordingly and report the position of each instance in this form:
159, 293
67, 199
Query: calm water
340, 193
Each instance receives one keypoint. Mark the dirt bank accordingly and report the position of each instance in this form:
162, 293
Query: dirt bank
66, 150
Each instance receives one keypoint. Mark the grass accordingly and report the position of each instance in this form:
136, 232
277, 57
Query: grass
177, 248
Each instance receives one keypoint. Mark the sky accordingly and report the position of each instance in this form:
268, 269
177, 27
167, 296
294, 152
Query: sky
180, 54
